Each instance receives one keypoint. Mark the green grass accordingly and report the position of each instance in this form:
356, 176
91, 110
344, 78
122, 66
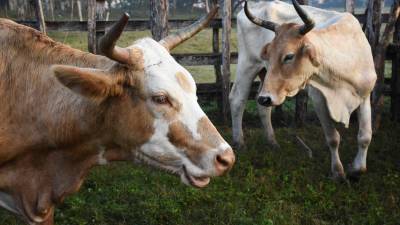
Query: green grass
265, 186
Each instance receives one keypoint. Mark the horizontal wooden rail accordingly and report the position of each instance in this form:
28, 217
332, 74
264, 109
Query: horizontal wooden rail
138, 25
211, 91
201, 59
133, 25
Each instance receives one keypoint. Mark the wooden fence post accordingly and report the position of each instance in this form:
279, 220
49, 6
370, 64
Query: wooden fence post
159, 19
395, 81
350, 6
379, 57
226, 56
79, 4
92, 26
40, 16
217, 68
51, 8
301, 98
372, 24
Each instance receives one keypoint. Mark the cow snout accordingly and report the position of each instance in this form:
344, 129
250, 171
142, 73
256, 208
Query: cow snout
224, 161
264, 101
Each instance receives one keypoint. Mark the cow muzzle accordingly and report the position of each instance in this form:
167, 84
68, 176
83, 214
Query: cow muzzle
200, 177
224, 161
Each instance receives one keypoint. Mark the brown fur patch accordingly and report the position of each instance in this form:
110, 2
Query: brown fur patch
136, 56
95, 84
181, 137
183, 82
209, 133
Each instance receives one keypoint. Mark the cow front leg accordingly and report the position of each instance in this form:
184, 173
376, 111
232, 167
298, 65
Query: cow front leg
364, 137
265, 116
245, 75
332, 136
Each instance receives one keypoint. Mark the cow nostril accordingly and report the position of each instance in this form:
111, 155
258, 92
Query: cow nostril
264, 101
222, 161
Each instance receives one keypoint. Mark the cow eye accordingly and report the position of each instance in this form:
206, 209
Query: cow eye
160, 99
288, 58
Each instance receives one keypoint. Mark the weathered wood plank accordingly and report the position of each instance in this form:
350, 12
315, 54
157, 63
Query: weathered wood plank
91, 26
133, 25
395, 80
159, 19
140, 25
40, 16
201, 59
211, 91
226, 57
350, 6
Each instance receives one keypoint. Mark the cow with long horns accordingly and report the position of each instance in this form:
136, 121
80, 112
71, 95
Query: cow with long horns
333, 59
64, 111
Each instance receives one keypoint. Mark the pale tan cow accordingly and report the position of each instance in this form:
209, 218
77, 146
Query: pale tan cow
334, 60
64, 111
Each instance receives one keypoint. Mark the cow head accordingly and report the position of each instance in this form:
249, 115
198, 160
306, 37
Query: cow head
292, 58
151, 105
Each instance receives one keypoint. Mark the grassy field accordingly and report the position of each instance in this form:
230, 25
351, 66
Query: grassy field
265, 186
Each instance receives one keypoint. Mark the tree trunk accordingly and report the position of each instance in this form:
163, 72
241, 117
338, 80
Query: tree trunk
350, 6
159, 19
40, 16
92, 26
226, 56
379, 60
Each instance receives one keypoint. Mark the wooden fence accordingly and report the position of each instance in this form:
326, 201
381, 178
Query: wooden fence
215, 58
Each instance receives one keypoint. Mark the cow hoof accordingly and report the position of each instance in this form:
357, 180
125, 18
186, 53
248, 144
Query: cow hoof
273, 144
355, 175
339, 178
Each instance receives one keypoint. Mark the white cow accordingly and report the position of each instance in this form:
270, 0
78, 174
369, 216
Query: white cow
334, 60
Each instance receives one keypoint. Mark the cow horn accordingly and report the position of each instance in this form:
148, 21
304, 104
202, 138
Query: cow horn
308, 22
107, 42
257, 21
173, 40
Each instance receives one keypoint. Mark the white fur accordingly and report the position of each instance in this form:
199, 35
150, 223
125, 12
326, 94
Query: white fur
332, 104
160, 77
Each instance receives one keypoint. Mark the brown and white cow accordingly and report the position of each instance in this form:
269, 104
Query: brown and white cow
334, 60
64, 111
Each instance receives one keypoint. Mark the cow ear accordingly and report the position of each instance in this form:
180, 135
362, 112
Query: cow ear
264, 52
91, 83
309, 50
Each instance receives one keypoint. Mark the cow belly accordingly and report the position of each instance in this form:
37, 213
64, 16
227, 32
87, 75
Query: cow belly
7, 202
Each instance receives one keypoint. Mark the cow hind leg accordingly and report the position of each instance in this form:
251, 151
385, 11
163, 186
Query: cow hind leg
364, 137
332, 136
246, 73
265, 116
